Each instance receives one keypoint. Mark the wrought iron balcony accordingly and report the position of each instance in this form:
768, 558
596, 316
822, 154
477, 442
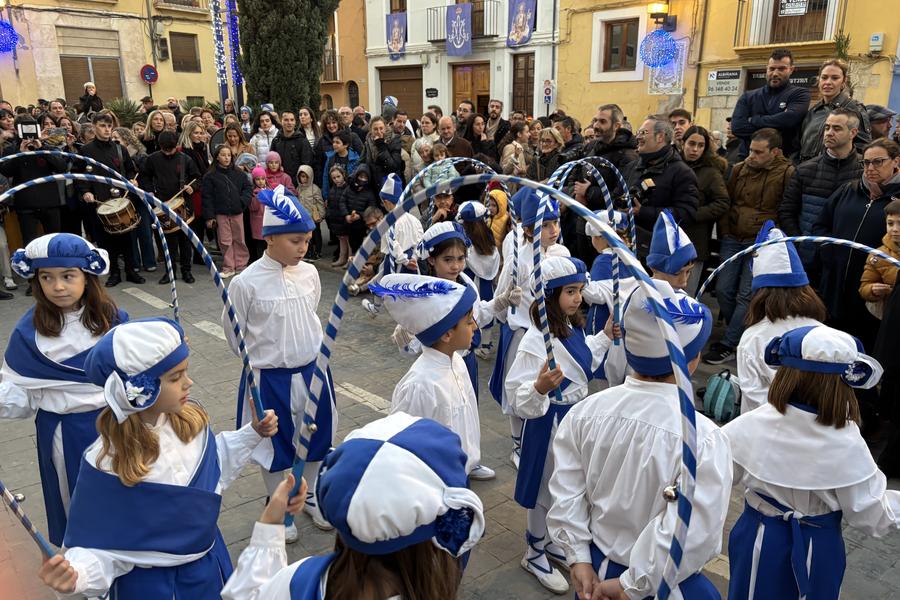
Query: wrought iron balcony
774, 22
487, 20
331, 66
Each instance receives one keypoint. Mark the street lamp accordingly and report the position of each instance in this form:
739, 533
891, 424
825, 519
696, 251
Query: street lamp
659, 12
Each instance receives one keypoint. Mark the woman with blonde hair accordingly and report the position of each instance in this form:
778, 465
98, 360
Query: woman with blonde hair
156, 124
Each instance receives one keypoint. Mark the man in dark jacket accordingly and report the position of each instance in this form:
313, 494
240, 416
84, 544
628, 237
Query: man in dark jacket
383, 153
165, 173
573, 143
104, 150
779, 105
496, 127
817, 179
292, 146
456, 145
659, 179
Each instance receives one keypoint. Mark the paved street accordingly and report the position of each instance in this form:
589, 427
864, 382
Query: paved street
366, 368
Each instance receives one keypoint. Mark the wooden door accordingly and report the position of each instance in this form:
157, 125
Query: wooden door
472, 82
405, 84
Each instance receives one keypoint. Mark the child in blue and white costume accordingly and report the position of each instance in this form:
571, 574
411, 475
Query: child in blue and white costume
517, 322
142, 523
530, 385
805, 468
396, 492
618, 450
43, 368
672, 254
275, 301
400, 242
482, 260
782, 300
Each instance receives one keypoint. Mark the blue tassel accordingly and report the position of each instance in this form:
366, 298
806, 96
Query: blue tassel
404, 291
453, 528
683, 312
281, 206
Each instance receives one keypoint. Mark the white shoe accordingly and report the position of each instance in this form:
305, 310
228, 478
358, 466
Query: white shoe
373, 309
316, 515
290, 534
555, 555
9, 283
514, 457
481, 473
226, 274
551, 579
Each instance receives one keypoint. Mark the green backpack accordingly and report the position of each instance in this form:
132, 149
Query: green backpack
722, 397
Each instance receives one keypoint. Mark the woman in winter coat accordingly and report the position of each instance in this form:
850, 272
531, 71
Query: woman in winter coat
193, 145
90, 102
545, 164
479, 139
383, 154
226, 195
357, 197
331, 124
428, 136
700, 155
264, 132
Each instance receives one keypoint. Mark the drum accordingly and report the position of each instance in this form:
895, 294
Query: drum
179, 207
118, 215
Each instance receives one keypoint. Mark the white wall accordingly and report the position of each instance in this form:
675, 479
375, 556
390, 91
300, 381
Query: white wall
437, 69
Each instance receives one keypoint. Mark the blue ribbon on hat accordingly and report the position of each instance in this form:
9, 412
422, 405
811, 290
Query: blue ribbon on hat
60, 250
579, 276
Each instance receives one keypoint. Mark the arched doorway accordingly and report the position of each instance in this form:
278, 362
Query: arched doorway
327, 102
353, 93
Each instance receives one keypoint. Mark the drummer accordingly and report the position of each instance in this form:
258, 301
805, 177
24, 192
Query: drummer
168, 174
104, 150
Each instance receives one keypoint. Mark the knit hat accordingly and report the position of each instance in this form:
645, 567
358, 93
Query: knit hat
258, 172
646, 349
471, 212
245, 159
438, 233
246, 109
670, 248
89, 83
390, 101
821, 349
272, 155
427, 307
619, 223
129, 360
267, 107
526, 202
777, 265
397, 482
392, 188
60, 250
284, 213
560, 271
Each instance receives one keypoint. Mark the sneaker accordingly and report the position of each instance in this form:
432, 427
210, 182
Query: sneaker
316, 515
9, 283
482, 473
718, 353
226, 274
514, 457
290, 534
371, 308
548, 576
150, 269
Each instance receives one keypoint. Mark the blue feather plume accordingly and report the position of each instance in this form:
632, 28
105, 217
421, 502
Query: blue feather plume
684, 311
406, 291
280, 204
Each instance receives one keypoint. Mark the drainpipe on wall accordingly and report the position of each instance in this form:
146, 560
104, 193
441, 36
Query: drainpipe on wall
553, 51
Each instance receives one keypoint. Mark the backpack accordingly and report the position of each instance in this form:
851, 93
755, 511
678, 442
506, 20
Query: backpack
721, 397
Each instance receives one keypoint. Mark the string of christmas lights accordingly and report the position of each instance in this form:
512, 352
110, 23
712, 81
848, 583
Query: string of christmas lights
9, 38
234, 41
219, 41
658, 48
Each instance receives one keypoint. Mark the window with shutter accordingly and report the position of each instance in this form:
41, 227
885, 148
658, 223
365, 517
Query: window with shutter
184, 52
523, 83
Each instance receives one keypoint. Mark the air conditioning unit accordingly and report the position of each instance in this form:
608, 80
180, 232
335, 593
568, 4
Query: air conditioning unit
162, 48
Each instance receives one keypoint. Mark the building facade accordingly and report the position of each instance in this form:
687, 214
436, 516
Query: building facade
66, 43
426, 75
345, 77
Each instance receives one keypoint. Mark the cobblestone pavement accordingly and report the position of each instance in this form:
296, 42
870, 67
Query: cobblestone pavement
366, 367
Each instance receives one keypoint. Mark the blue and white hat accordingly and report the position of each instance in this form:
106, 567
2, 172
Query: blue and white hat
559, 271
268, 107
427, 307
777, 265
64, 250
284, 213
471, 211
246, 109
670, 248
392, 188
130, 359
619, 222
390, 101
821, 349
397, 482
645, 348
527, 201
440, 232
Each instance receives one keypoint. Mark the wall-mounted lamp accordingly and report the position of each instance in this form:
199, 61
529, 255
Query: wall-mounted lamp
659, 12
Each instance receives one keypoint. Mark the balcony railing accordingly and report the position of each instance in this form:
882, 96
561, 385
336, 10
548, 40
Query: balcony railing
192, 6
331, 66
771, 22
487, 20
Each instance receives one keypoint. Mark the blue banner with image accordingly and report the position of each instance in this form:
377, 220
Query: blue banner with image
521, 22
396, 35
459, 30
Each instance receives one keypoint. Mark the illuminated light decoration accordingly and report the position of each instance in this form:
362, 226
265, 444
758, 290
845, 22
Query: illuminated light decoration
9, 38
234, 41
658, 48
219, 41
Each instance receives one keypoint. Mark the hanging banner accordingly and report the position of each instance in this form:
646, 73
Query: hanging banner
459, 30
396, 35
521, 22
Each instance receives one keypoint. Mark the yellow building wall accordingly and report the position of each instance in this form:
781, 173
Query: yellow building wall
38, 63
351, 18
579, 97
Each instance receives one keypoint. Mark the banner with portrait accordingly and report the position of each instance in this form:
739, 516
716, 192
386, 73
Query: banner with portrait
396, 35
520, 23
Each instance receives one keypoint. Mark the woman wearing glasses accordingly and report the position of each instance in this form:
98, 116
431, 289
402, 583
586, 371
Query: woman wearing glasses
544, 165
856, 212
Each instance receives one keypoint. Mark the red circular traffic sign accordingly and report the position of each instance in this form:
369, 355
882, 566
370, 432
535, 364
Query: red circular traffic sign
149, 74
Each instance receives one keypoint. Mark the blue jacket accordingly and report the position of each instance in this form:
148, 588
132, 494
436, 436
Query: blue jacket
348, 163
783, 109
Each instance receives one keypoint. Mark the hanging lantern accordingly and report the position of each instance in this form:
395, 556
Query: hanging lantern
9, 38
658, 48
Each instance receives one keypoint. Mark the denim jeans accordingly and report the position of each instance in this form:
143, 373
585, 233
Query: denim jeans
733, 290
